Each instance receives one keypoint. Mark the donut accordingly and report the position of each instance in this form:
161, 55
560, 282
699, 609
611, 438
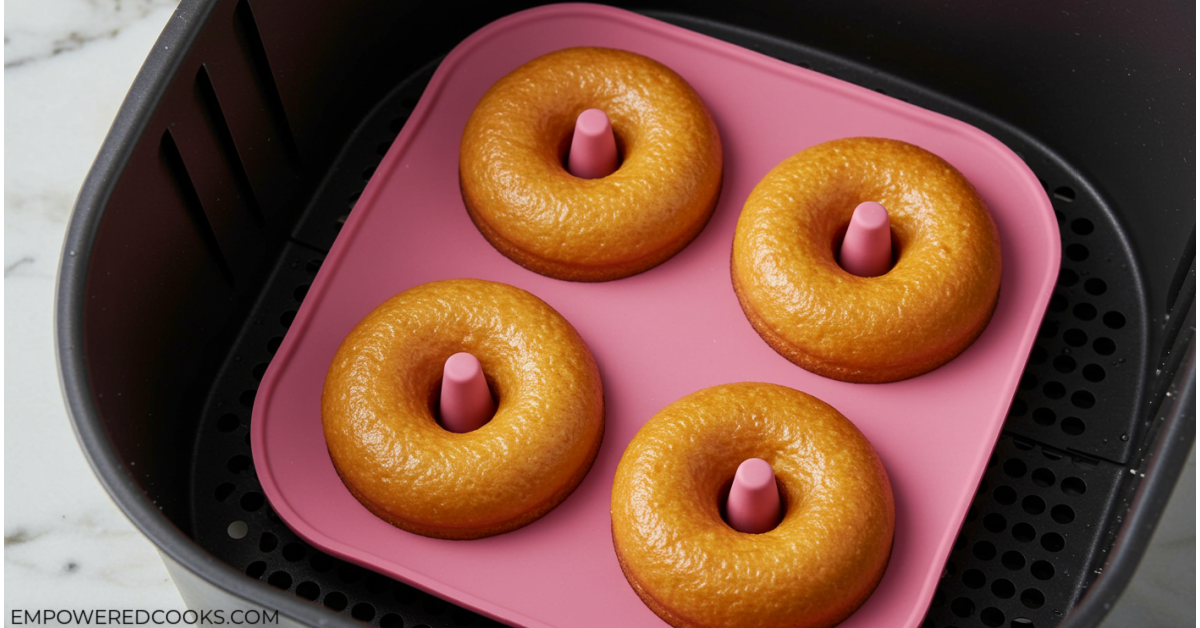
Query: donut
530, 208
379, 403
693, 570
936, 299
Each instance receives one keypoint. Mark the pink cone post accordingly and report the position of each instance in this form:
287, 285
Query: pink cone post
466, 402
867, 248
593, 147
753, 505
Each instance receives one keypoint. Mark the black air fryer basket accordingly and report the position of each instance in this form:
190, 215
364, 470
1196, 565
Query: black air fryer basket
254, 125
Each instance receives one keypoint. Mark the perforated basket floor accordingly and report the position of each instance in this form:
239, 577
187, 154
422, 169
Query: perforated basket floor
1046, 508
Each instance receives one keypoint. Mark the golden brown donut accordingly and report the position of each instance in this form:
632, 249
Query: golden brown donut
380, 396
935, 301
532, 210
813, 570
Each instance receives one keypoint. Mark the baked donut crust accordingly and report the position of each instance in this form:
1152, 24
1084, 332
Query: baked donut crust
380, 396
933, 303
813, 570
527, 205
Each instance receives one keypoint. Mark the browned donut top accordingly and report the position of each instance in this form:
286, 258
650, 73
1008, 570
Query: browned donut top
814, 569
379, 397
932, 304
525, 202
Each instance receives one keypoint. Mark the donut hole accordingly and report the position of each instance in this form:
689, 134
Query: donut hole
564, 143
835, 247
435, 398
723, 500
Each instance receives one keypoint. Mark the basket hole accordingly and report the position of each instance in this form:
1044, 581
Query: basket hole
1093, 373
1028, 381
960, 542
984, 550
1017, 408
962, 607
336, 601
238, 463
1058, 303
1042, 570
1095, 286
223, 491
301, 291
983, 486
993, 460
286, 318
273, 344
405, 594
1073, 426
1032, 598
1053, 542
1063, 514
1076, 252
462, 617
363, 612
1049, 329
260, 369
1003, 589
1054, 390
391, 620
1033, 505
1104, 346
1021, 622
973, 579
377, 583
367, 172
1013, 560
1075, 337
280, 580
1065, 193
1064, 364
972, 514
1014, 468
256, 569
228, 422
994, 522
1004, 495
267, 542
1082, 226
382, 148
1023, 532
238, 530
1067, 277
1083, 399
1074, 486
322, 562
1114, 320
293, 552
939, 597
308, 590
350, 573
252, 501
991, 617
397, 123
1044, 416
1084, 311
247, 397
1043, 477
1038, 355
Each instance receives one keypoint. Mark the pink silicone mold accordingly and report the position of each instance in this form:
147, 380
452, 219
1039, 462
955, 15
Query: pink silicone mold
656, 336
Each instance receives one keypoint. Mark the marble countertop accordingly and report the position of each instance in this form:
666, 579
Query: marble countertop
67, 67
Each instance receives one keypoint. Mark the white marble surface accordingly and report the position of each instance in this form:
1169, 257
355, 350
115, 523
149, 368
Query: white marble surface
68, 65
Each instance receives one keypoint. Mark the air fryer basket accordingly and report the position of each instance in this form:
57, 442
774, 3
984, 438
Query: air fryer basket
254, 125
